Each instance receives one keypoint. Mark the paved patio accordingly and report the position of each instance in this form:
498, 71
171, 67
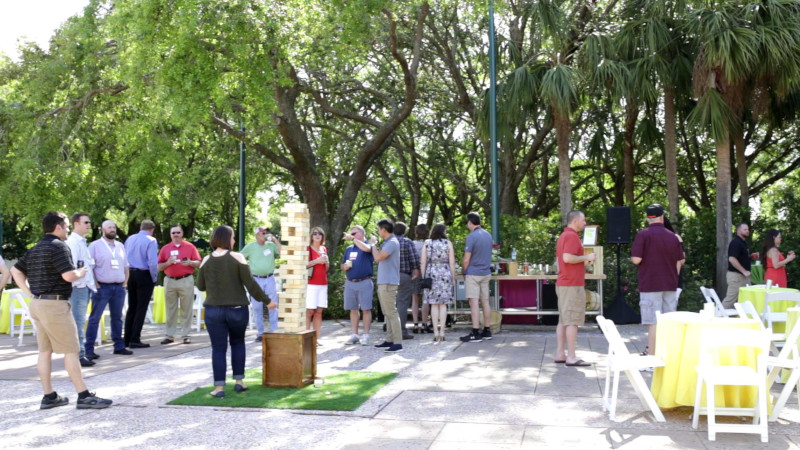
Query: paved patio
503, 393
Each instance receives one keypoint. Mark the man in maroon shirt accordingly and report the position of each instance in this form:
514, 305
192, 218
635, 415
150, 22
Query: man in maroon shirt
659, 255
178, 259
570, 288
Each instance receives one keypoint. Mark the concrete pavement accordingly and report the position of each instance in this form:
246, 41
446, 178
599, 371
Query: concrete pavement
503, 393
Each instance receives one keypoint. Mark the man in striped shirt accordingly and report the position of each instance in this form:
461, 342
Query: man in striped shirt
46, 274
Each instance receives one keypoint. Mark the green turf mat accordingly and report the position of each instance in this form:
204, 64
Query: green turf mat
345, 391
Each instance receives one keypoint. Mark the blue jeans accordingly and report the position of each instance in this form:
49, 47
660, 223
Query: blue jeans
79, 300
268, 286
226, 323
112, 295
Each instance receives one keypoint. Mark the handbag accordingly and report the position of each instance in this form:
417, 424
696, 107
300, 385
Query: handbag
426, 283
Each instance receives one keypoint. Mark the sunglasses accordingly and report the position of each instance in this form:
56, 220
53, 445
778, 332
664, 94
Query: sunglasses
354, 233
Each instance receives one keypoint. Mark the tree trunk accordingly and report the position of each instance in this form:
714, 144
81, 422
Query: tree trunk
723, 212
631, 114
562, 124
741, 167
670, 152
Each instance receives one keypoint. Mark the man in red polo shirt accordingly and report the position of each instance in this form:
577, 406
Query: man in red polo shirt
178, 259
570, 288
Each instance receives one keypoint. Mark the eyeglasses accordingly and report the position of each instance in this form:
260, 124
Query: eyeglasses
316, 233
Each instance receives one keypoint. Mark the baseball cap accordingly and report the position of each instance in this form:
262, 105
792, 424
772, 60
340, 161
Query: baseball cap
655, 210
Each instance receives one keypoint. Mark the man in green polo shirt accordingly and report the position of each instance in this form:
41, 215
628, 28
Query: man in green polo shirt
261, 257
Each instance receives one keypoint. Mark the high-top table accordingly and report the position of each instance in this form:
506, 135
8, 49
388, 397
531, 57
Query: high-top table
756, 295
678, 337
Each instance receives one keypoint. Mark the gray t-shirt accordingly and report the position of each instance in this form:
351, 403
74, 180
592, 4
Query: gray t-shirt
389, 268
479, 245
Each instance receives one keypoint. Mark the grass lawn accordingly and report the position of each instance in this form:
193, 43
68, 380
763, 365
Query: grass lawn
345, 391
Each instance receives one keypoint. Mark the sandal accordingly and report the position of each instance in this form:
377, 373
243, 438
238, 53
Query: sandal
416, 328
644, 352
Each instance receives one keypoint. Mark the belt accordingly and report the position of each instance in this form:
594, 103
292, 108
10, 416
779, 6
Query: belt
51, 297
181, 277
140, 270
112, 284
264, 276
357, 280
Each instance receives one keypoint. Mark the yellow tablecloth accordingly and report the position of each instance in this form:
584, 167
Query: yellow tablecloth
757, 294
678, 344
159, 305
5, 311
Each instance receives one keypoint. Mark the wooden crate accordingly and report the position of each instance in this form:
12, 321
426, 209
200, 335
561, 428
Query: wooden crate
595, 267
289, 359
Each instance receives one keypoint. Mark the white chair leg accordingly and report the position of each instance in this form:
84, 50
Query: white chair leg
791, 384
711, 416
606, 398
643, 392
697, 395
612, 410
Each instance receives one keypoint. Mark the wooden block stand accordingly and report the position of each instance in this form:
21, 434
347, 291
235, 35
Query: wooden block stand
289, 359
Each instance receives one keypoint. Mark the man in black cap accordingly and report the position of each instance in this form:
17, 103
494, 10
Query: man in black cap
659, 255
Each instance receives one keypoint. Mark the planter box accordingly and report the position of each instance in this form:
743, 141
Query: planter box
289, 359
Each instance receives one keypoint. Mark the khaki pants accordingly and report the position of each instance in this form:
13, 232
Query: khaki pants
387, 295
179, 293
735, 281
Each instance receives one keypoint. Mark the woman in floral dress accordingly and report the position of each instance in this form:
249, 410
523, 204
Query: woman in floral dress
439, 263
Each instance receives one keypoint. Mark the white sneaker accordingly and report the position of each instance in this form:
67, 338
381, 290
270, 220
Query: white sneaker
353, 340
364, 339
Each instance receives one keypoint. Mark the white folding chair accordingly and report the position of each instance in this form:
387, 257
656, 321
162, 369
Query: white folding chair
711, 374
719, 310
748, 311
788, 358
198, 308
771, 315
621, 360
18, 308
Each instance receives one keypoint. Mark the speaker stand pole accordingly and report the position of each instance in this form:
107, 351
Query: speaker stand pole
620, 297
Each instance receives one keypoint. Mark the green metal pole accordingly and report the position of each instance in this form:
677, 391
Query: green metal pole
493, 127
241, 190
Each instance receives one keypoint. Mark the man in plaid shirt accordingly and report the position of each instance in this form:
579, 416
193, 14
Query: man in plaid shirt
409, 275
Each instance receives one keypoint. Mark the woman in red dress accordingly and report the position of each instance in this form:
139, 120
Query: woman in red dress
317, 291
774, 260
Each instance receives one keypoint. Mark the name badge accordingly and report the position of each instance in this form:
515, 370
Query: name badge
267, 252
114, 264
173, 253
353, 256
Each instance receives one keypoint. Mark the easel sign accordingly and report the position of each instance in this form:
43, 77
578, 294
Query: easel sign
590, 235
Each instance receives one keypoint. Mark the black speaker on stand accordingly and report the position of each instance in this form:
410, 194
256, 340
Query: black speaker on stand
618, 220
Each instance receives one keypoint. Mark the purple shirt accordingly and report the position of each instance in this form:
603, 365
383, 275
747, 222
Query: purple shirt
110, 262
660, 251
143, 253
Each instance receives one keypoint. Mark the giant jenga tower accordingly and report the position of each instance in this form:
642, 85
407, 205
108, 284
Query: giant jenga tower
295, 234
289, 356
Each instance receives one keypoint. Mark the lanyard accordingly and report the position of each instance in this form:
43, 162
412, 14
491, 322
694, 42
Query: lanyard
113, 252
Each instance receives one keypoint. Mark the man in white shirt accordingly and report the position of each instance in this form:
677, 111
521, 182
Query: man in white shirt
79, 301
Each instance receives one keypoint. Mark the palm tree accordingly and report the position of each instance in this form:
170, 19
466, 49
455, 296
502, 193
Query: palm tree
740, 46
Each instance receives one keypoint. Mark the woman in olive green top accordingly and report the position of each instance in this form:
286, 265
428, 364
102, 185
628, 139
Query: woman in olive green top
223, 276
